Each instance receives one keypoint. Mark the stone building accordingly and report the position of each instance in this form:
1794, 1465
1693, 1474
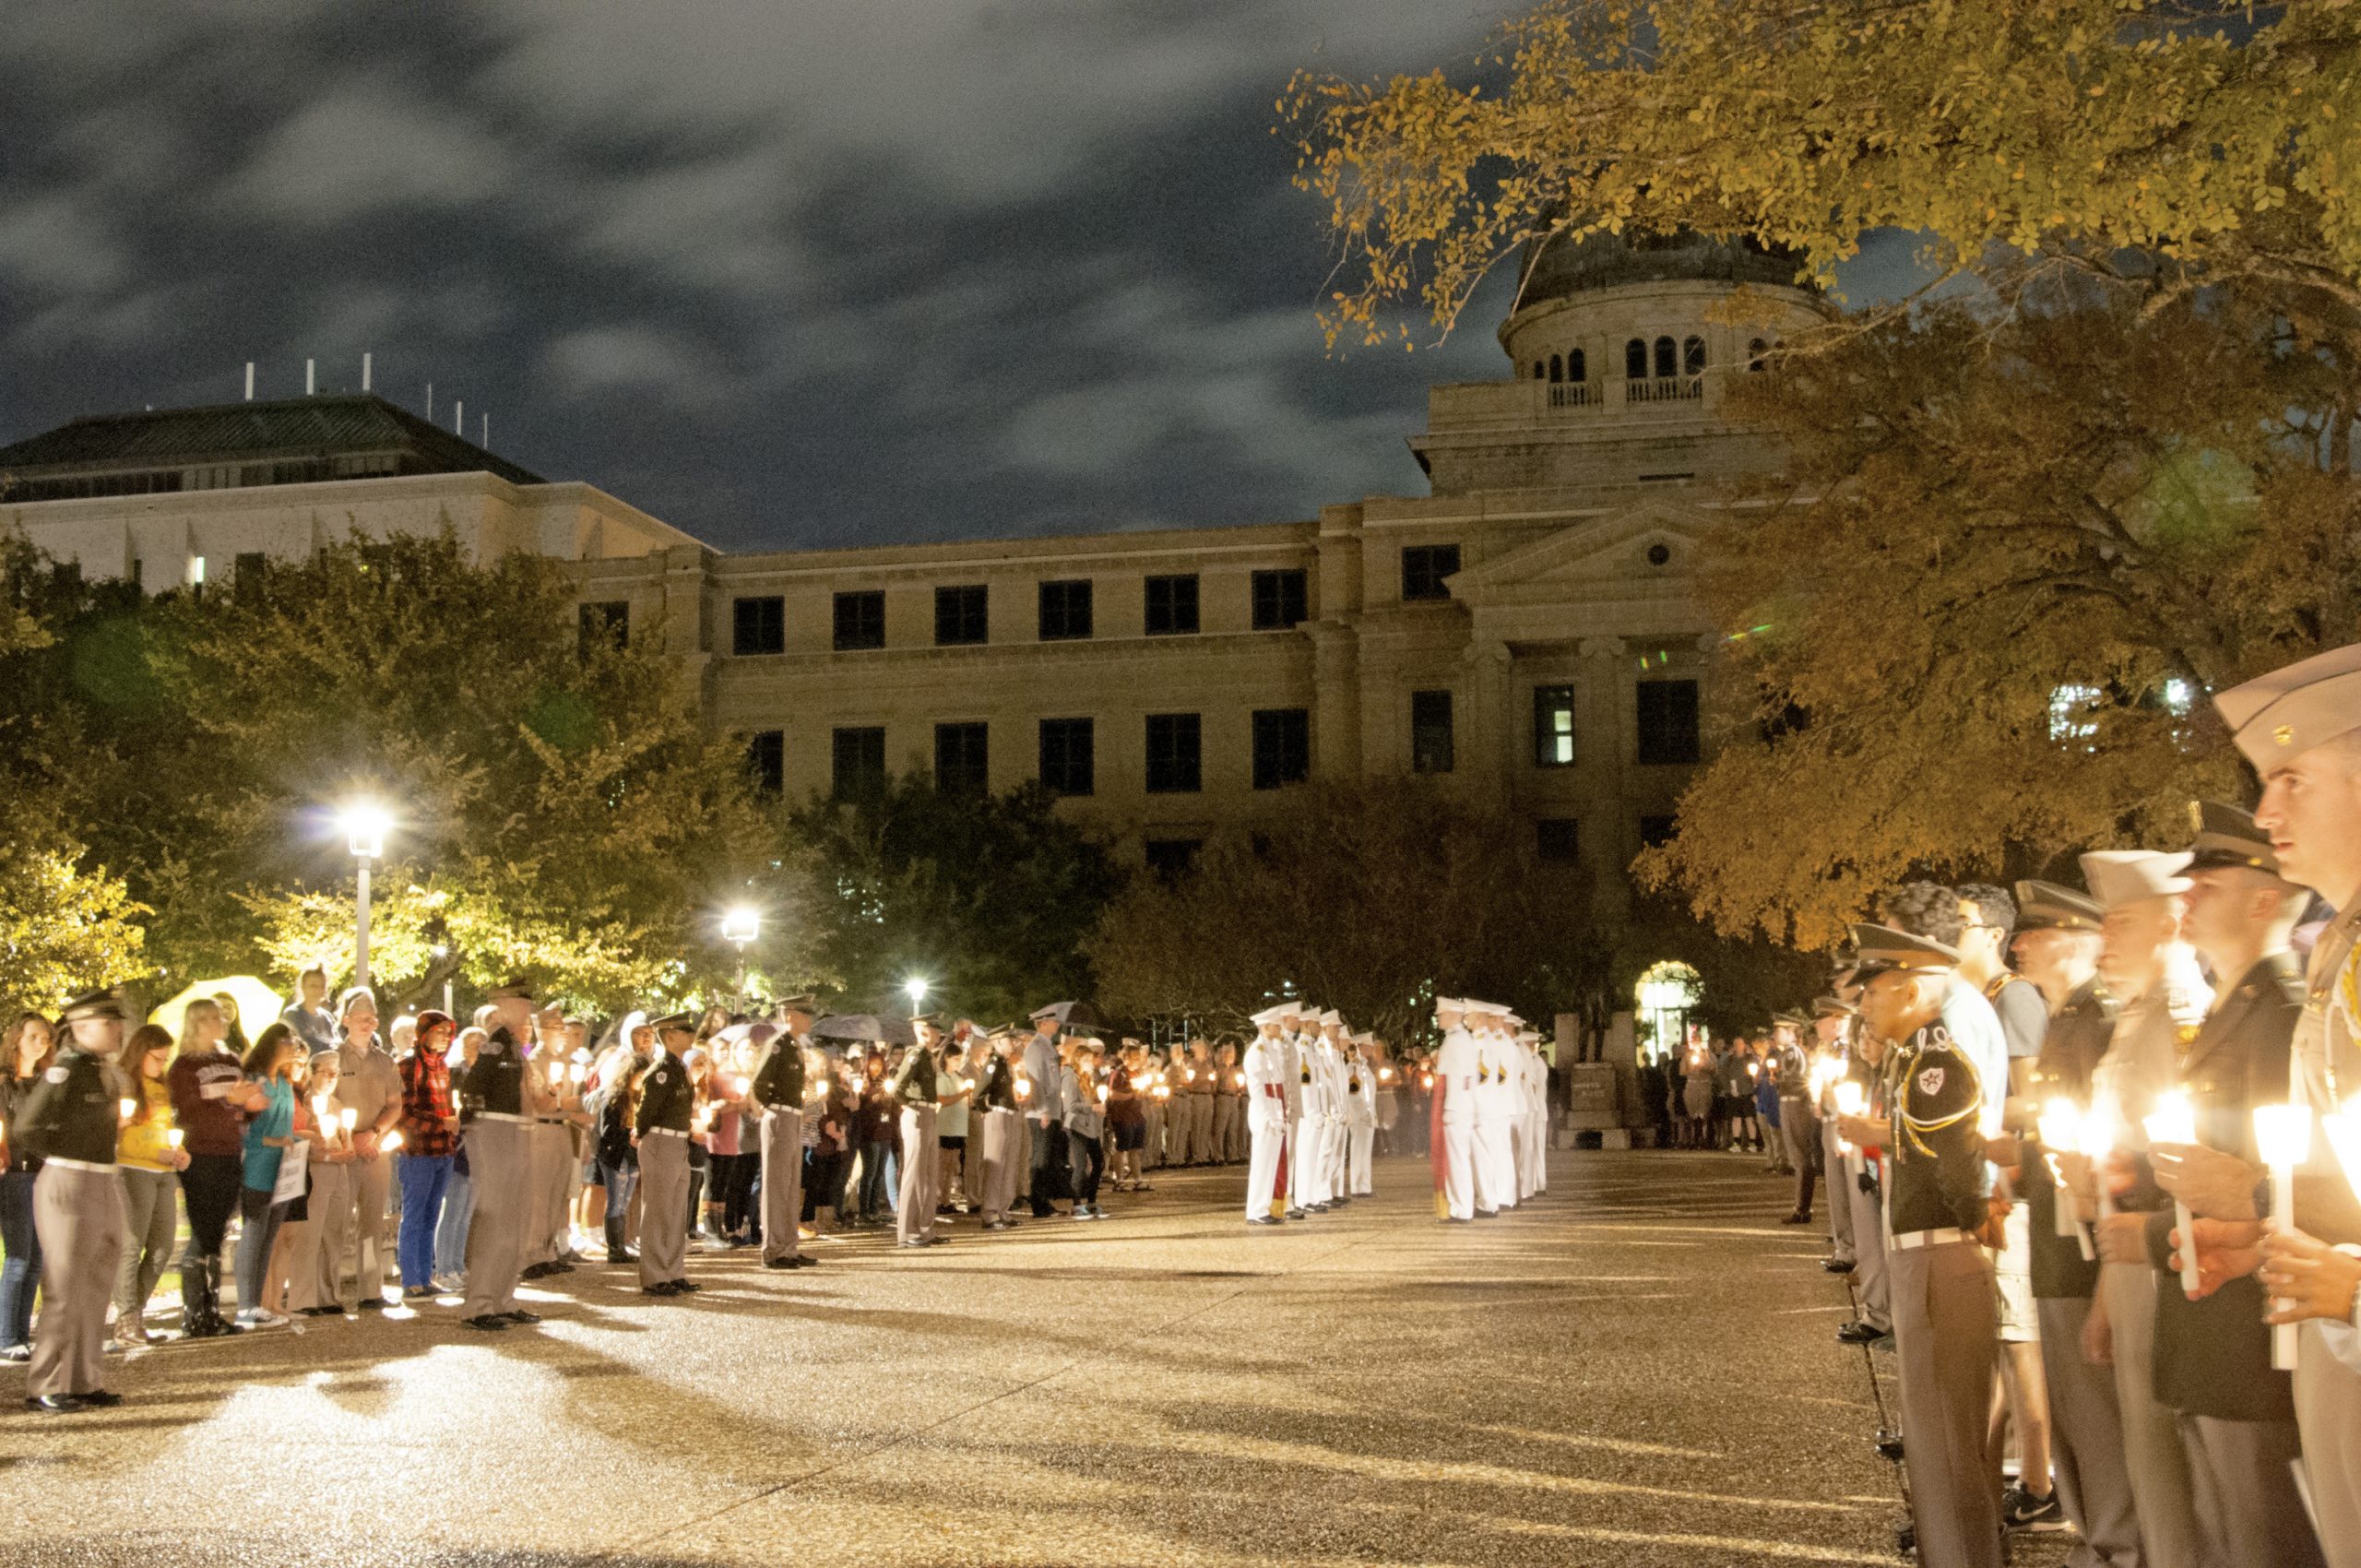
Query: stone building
1526, 632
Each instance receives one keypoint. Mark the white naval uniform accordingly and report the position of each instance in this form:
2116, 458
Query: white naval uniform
1454, 1070
1266, 1128
1495, 1110
1534, 1081
1331, 1094
1360, 1124
1303, 1123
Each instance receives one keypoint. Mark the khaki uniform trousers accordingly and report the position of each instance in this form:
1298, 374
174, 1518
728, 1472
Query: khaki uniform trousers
2328, 1412
1840, 1191
1947, 1336
1869, 1258
78, 1214
552, 1150
354, 1222
496, 1200
664, 1214
921, 1169
1233, 1127
1002, 1160
782, 1133
2247, 1501
2086, 1438
2163, 1487
313, 1278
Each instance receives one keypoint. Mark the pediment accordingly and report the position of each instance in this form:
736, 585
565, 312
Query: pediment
1597, 550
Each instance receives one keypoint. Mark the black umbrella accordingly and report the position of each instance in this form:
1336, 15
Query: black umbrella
865, 1027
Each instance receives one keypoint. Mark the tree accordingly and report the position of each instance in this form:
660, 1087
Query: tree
986, 897
2173, 144
63, 931
1368, 898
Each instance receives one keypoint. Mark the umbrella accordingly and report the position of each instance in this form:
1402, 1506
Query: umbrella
865, 1027
258, 1006
1073, 1015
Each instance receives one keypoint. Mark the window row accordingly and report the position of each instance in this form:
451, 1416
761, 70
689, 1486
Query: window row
1557, 840
1064, 610
1641, 360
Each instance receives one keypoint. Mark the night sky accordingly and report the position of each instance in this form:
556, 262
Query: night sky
779, 272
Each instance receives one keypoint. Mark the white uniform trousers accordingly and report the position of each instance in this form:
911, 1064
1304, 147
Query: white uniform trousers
1459, 1186
1265, 1194
1494, 1191
1360, 1142
1303, 1179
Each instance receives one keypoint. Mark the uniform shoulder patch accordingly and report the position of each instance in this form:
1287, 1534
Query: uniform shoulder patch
1930, 1081
57, 1075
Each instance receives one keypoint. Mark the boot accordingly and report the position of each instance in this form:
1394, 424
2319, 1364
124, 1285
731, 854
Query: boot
616, 1251
196, 1295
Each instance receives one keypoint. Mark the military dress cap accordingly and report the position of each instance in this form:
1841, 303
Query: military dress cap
2227, 837
1882, 947
934, 1018
1267, 1015
803, 1003
686, 1023
2276, 718
1833, 1007
97, 1004
1331, 1016
2118, 877
2052, 906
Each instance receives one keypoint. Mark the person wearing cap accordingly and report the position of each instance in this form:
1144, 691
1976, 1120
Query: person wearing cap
1266, 1120
1185, 1109
1941, 1217
493, 1096
997, 1110
2212, 1356
1798, 1127
1039, 1069
1830, 1026
2056, 943
1457, 1065
776, 1095
1329, 1064
1866, 1065
1361, 1114
369, 1086
1295, 1030
1495, 1110
551, 1101
916, 1089
1230, 1104
1306, 1151
69, 1121
660, 1133
2164, 1001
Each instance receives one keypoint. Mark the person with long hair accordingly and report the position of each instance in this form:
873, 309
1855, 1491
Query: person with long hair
148, 1160
876, 1124
1082, 1099
210, 1093
31, 1043
458, 1198
273, 1068
429, 1130
613, 1100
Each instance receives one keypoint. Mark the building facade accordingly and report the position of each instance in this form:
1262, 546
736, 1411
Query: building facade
1526, 634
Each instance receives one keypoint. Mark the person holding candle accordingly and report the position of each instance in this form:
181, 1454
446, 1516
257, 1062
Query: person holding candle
1039, 1067
429, 1125
551, 1099
1127, 1118
314, 1281
1458, 1065
1798, 1128
1361, 1114
660, 1132
491, 1096
369, 1086
267, 1094
69, 1119
31, 1046
776, 1095
208, 1087
996, 1107
150, 1159
1085, 1123
915, 1089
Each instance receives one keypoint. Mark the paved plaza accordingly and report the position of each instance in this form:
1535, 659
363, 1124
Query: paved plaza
1636, 1371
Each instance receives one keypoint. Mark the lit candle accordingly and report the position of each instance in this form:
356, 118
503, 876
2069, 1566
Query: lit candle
582, 1070
1384, 1075
320, 1111
1426, 1080
1192, 1075
351, 1118
2174, 1121
1024, 1086
743, 1085
1850, 1102
2283, 1135
173, 1137
2061, 1128
129, 1108
1102, 1094
2098, 1142
393, 1141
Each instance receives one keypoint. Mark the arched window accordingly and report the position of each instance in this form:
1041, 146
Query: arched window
1537, 369
1755, 350
1557, 368
1635, 360
1667, 362
1692, 357
1575, 369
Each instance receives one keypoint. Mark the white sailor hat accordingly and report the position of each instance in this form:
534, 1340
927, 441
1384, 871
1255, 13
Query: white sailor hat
2117, 877
1451, 1004
2278, 717
1331, 1016
1268, 1016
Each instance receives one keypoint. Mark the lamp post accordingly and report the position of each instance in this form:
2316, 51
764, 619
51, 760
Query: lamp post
916, 990
364, 827
741, 926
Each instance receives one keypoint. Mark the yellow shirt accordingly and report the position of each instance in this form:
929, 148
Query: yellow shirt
143, 1146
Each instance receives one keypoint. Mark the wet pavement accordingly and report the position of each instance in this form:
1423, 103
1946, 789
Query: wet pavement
1636, 1369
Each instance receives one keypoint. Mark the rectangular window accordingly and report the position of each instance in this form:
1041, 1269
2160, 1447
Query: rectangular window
1430, 732
961, 615
1281, 600
1557, 841
1172, 858
1065, 611
1667, 723
1175, 754
1282, 746
859, 763
860, 620
1068, 762
767, 760
1171, 605
603, 625
1424, 567
758, 626
961, 763
1553, 726
1654, 831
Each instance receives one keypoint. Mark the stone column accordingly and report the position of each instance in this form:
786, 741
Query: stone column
1485, 747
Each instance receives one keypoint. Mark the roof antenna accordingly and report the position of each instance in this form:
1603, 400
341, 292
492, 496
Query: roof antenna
364, 372
429, 402
485, 440
307, 376
250, 381
459, 419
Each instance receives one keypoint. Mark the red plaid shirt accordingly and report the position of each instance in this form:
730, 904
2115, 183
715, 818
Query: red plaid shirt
426, 1100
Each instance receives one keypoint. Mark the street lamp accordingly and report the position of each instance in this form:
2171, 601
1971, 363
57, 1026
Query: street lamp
741, 926
916, 990
364, 823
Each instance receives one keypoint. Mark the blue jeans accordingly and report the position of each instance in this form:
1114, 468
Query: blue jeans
21, 1273
451, 1234
260, 1219
619, 1181
424, 1178
876, 1195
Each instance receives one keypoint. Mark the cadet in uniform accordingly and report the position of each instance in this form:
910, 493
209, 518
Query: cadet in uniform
493, 1091
777, 1092
1361, 1114
1457, 1065
1267, 1120
1798, 1123
69, 1121
1230, 1104
667, 1100
996, 1099
915, 1087
1495, 1161
1941, 1216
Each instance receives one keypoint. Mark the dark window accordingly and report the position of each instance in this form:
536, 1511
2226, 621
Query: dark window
1558, 839
1655, 832
1635, 360
1668, 357
962, 759
1576, 369
1430, 732
1557, 368
1173, 859
1553, 726
961, 615
1175, 754
250, 563
1068, 756
1065, 611
246, 580
607, 623
767, 760
859, 762
1755, 350
1424, 567
1537, 369
758, 626
1668, 715
1280, 600
1171, 605
1282, 746
860, 620
1692, 357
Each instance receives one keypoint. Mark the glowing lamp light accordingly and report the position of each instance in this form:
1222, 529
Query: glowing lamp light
365, 825
2282, 1136
741, 925
916, 990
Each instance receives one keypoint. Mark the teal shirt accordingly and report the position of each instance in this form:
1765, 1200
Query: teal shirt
275, 1120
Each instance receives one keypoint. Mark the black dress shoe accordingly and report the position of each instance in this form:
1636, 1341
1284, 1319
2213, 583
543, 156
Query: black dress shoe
668, 1287
780, 1262
1295, 1214
804, 1260
1889, 1446
1454, 1219
54, 1404
685, 1287
1837, 1265
1488, 1214
372, 1303
1861, 1333
1796, 1219
521, 1315
537, 1271
102, 1398
1262, 1219
488, 1323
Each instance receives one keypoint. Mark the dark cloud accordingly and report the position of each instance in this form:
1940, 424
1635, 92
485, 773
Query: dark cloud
779, 271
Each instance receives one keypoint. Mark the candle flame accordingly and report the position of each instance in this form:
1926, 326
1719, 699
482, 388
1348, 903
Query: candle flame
2172, 1120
